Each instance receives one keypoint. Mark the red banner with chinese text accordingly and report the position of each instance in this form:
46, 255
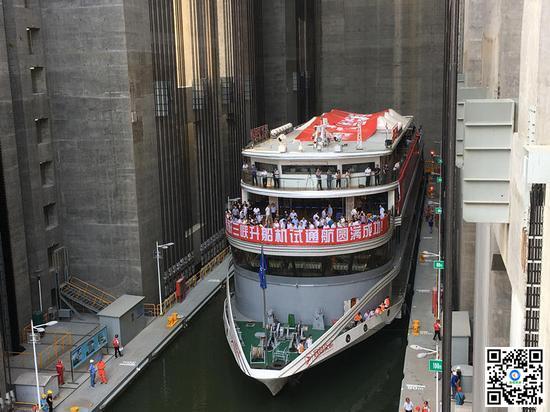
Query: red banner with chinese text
308, 237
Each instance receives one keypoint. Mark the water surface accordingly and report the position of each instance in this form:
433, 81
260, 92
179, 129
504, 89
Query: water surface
197, 372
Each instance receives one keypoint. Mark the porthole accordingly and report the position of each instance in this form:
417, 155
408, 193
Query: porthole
348, 338
365, 327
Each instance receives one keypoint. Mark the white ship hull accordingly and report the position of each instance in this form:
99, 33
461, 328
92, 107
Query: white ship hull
331, 343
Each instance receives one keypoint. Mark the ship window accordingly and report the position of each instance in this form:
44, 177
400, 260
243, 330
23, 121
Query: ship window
302, 170
265, 166
358, 167
315, 266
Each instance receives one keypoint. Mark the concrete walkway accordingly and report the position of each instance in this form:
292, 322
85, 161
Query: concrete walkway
141, 350
419, 384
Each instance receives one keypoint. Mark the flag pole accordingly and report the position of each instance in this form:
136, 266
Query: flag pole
265, 311
263, 282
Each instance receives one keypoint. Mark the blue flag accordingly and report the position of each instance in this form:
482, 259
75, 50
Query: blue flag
263, 270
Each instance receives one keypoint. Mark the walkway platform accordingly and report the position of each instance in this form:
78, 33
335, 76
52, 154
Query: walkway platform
141, 350
418, 383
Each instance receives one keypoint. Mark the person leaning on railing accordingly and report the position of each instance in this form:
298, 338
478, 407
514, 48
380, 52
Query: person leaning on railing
276, 219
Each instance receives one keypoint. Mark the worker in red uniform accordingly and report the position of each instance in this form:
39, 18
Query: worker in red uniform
116, 346
101, 371
60, 368
437, 329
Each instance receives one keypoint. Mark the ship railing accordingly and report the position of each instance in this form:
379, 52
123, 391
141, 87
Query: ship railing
329, 336
310, 181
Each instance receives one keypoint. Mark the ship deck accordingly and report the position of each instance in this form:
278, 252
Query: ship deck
251, 335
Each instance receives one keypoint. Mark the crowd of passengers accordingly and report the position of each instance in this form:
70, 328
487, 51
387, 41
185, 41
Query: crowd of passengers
272, 217
358, 318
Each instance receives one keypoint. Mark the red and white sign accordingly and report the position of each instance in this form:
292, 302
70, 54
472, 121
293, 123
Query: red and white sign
343, 124
259, 133
308, 237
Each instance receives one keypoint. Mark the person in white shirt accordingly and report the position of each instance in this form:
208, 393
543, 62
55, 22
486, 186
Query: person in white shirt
408, 405
368, 173
309, 341
353, 212
382, 211
293, 214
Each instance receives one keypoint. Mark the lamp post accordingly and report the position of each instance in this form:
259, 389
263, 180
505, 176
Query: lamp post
38, 328
422, 355
157, 256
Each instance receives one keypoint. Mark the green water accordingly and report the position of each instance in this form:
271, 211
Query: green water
197, 372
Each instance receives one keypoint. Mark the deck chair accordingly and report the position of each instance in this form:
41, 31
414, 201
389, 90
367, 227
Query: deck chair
257, 355
291, 325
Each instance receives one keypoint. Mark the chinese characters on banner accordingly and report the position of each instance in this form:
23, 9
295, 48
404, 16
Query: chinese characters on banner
308, 237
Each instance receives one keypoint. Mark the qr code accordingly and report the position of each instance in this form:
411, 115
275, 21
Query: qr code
513, 377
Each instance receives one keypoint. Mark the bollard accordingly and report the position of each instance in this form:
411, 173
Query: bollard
416, 327
172, 320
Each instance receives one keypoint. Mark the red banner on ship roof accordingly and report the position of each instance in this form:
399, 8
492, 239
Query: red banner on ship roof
308, 237
343, 124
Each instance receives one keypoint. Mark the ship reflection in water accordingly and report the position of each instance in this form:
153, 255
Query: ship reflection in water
197, 373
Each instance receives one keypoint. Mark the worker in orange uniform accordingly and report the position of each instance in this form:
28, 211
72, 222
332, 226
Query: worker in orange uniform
60, 368
101, 371
357, 318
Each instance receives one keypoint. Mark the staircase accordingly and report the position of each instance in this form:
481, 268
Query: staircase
84, 294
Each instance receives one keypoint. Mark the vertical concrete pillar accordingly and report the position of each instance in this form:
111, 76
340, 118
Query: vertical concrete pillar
517, 319
349, 206
481, 298
274, 200
391, 200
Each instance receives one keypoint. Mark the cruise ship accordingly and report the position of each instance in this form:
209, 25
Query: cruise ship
322, 239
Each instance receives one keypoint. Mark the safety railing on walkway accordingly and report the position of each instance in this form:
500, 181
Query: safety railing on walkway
92, 289
152, 309
26, 330
50, 353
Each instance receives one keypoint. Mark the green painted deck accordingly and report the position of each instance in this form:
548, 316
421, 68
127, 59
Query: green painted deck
247, 333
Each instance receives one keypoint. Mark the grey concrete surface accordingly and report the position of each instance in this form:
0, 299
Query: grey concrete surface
379, 54
419, 384
141, 350
99, 60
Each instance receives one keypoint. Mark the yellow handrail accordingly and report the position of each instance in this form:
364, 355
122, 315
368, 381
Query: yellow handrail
92, 289
50, 353
152, 309
95, 297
